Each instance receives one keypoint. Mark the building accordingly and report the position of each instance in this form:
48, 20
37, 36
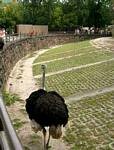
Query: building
32, 29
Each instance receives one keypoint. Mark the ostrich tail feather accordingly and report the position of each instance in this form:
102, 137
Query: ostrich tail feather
55, 131
35, 126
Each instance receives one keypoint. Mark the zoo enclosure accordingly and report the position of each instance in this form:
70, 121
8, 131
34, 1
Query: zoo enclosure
9, 56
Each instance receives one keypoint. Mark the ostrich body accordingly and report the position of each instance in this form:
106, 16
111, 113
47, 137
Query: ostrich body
47, 109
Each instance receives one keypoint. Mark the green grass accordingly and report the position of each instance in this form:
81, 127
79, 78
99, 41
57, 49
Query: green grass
82, 80
91, 123
72, 48
9, 98
17, 123
46, 57
74, 61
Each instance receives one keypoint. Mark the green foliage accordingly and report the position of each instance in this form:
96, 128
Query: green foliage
9, 98
99, 13
58, 15
10, 15
17, 123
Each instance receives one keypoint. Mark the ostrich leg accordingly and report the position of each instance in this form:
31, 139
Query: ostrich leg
44, 134
47, 145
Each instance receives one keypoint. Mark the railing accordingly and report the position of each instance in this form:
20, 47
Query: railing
8, 137
14, 37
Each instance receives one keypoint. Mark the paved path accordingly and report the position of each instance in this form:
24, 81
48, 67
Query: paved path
105, 42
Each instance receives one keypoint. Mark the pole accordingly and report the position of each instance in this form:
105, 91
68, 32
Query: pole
43, 67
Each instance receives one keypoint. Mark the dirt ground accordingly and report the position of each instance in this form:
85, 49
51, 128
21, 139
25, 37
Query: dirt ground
21, 82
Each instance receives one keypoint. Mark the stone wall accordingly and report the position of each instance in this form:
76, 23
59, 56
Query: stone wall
13, 52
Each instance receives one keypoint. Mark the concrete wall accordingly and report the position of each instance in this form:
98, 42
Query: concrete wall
32, 29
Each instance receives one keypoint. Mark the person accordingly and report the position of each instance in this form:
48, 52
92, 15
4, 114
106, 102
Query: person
1, 43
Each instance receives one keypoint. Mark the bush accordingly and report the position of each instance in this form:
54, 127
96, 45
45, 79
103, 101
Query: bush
10, 98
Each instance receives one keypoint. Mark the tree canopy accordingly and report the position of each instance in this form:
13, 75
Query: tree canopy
58, 14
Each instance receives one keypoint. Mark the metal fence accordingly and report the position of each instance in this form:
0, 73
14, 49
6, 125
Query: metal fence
14, 37
8, 137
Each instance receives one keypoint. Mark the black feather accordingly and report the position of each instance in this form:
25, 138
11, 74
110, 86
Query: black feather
47, 108
31, 102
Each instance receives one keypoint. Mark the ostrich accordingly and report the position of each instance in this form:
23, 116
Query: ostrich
47, 109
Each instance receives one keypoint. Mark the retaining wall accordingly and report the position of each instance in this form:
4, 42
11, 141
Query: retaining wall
13, 52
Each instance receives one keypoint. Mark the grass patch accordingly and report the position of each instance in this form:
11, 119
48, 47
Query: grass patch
17, 123
91, 122
9, 98
74, 61
46, 57
81, 80
76, 47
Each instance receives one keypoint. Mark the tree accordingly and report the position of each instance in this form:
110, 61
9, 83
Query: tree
58, 14
10, 15
99, 13
112, 11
